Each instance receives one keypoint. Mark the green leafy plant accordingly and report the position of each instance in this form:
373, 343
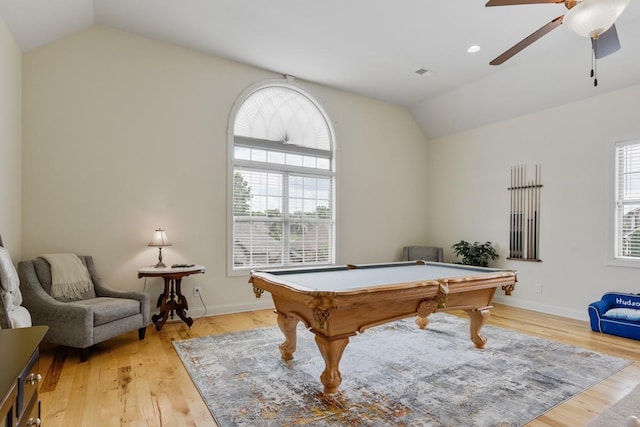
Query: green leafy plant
475, 253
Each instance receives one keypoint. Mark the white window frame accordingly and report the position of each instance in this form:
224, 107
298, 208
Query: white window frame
615, 204
232, 270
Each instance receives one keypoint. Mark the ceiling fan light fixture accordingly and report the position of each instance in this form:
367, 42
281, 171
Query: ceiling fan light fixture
590, 18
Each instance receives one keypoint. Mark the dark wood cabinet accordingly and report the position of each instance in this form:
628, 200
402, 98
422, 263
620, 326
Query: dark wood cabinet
20, 375
7, 407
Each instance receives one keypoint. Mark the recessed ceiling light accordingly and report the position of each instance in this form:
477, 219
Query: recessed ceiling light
473, 49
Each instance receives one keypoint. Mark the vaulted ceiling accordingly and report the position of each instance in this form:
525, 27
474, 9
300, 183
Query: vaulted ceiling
371, 47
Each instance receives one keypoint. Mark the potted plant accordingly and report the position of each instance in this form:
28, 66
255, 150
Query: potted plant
475, 253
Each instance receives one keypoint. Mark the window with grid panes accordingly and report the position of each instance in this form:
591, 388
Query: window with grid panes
283, 181
627, 200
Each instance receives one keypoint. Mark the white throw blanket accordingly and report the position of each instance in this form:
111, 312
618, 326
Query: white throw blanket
69, 276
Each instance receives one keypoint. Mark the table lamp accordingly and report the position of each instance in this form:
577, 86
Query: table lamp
159, 240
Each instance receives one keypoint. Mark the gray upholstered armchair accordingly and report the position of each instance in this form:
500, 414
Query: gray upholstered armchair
100, 315
425, 253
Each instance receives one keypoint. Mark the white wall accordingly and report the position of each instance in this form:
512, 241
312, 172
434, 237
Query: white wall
123, 134
10, 143
470, 172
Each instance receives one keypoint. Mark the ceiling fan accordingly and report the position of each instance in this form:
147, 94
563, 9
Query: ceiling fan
588, 18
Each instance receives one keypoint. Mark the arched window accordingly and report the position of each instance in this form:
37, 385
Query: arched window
283, 180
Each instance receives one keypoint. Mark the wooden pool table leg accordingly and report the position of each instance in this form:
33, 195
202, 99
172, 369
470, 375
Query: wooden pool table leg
424, 311
288, 326
478, 318
331, 351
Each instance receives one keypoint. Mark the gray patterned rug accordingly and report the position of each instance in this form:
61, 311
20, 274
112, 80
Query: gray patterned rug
392, 375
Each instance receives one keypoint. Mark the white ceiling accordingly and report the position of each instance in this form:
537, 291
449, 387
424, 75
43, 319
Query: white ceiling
370, 47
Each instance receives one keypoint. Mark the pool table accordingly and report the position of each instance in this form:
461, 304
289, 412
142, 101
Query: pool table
338, 302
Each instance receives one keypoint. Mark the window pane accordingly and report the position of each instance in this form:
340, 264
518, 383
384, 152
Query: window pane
275, 184
323, 186
242, 153
294, 159
323, 210
241, 195
324, 164
280, 113
304, 200
257, 243
309, 188
258, 205
275, 157
309, 207
295, 207
274, 206
309, 242
258, 155
630, 231
308, 162
257, 193
295, 186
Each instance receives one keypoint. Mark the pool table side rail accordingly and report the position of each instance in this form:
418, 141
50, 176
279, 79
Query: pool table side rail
322, 300
270, 282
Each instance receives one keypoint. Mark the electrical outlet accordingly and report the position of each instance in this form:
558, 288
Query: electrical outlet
538, 288
196, 291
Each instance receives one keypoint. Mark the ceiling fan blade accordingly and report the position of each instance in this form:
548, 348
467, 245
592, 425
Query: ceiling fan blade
527, 41
607, 43
516, 2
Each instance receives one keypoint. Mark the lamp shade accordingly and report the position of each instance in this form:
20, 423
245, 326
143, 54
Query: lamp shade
590, 18
159, 238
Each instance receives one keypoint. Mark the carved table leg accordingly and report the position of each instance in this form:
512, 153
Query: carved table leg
422, 322
180, 305
477, 320
160, 319
288, 327
160, 297
172, 298
331, 353
424, 310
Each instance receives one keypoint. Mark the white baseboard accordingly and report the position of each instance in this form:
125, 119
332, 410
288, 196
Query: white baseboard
543, 308
214, 310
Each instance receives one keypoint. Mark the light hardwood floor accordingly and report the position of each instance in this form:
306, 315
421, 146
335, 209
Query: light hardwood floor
127, 382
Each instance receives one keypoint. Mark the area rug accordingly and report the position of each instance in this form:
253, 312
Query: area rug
617, 414
392, 375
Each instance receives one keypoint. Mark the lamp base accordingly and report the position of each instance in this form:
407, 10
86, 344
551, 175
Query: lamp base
160, 264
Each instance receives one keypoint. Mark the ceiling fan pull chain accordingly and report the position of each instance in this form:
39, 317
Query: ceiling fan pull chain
594, 67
